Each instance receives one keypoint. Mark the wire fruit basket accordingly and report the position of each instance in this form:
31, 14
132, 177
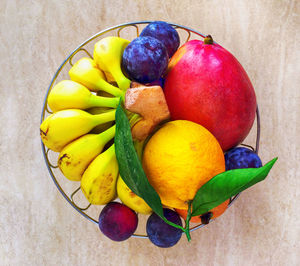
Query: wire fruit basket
70, 189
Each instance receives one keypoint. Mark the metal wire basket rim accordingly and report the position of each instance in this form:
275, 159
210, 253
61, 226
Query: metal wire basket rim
55, 77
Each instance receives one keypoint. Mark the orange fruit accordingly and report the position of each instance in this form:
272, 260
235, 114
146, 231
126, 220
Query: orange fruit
216, 212
179, 158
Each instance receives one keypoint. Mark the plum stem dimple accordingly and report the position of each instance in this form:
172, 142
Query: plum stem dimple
208, 39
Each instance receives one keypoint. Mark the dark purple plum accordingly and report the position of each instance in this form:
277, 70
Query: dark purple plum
160, 233
117, 221
241, 157
165, 33
145, 59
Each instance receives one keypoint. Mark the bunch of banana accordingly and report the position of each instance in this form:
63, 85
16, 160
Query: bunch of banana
82, 124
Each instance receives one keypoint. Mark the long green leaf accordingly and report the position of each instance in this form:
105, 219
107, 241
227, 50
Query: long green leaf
227, 184
130, 166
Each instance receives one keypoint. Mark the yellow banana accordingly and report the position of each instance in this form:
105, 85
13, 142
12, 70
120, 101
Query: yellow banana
130, 199
68, 94
108, 56
98, 182
100, 128
86, 72
60, 128
77, 155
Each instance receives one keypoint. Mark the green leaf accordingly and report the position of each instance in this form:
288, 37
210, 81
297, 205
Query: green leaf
227, 184
131, 169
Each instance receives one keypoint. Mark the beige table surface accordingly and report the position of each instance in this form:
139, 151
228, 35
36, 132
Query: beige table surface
38, 227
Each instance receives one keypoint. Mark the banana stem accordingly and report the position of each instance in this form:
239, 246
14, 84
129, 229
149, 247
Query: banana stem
100, 101
134, 118
108, 134
122, 81
111, 150
107, 87
104, 117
